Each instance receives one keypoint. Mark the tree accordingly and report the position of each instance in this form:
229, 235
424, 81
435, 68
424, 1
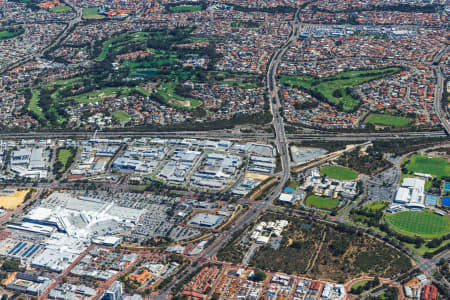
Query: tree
259, 276
215, 296
11, 265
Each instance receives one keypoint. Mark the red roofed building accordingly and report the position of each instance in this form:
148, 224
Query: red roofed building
429, 292
315, 285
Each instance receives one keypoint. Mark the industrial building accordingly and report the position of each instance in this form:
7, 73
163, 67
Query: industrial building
30, 163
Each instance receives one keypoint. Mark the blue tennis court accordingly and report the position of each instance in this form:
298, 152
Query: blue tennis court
447, 187
431, 200
446, 201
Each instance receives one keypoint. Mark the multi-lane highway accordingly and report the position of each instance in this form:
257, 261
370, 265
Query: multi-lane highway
282, 147
226, 133
438, 99
272, 89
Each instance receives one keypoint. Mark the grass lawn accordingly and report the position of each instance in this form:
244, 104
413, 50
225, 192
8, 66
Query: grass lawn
376, 205
91, 13
327, 87
121, 116
338, 172
33, 106
423, 249
388, 120
358, 284
438, 167
240, 84
116, 43
167, 91
294, 185
185, 8
64, 155
107, 45
97, 96
321, 202
10, 33
424, 223
61, 9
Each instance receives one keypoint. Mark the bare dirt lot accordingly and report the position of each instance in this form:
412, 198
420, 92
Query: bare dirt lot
260, 177
13, 201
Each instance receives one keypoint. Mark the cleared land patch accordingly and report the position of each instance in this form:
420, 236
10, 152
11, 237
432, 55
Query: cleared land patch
334, 89
338, 172
388, 120
13, 201
423, 223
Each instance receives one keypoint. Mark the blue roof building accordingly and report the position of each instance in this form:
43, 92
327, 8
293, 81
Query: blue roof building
288, 190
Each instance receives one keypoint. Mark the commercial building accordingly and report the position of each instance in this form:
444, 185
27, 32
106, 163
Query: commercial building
28, 283
114, 292
411, 193
205, 220
70, 291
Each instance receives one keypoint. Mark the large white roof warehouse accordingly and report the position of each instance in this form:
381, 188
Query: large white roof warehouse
412, 193
83, 217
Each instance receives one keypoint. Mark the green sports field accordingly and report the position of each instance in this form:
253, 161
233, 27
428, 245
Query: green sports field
438, 167
185, 8
321, 202
423, 223
338, 172
388, 120
60, 9
91, 13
